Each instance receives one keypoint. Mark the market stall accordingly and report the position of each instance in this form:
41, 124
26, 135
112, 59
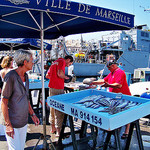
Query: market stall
107, 119
56, 18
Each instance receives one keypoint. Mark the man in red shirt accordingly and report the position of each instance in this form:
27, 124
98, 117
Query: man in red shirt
56, 74
117, 83
116, 80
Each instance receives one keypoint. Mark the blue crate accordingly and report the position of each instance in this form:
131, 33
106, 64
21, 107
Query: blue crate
65, 103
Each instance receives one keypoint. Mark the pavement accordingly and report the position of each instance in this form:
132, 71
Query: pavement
34, 134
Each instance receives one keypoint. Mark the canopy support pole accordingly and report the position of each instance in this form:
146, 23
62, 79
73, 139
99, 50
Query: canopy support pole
44, 137
43, 89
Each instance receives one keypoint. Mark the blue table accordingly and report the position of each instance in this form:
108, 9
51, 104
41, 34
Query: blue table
37, 86
110, 123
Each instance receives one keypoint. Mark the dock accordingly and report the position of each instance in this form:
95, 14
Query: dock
34, 133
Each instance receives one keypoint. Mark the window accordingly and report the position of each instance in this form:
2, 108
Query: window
145, 34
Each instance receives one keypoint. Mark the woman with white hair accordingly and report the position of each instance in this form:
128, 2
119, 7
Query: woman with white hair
15, 102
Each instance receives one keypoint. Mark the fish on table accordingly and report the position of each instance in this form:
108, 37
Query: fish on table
89, 99
110, 105
124, 105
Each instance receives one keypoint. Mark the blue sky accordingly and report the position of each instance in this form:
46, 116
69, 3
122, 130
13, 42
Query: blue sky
127, 6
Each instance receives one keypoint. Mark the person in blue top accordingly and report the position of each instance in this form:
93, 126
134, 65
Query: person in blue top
120, 66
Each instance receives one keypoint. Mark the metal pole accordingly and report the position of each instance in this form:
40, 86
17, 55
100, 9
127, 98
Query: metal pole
11, 50
43, 89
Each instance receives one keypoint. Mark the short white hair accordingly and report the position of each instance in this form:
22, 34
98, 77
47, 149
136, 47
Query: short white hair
21, 55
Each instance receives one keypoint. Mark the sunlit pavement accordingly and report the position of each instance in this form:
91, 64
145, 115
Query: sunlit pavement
34, 134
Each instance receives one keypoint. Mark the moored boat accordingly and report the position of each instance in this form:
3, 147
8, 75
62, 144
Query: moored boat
131, 47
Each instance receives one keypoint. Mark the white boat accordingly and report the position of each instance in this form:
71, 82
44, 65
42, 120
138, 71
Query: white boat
138, 88
140, 82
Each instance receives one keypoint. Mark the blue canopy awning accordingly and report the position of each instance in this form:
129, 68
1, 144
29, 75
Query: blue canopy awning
25, 43
21, 18
50, 19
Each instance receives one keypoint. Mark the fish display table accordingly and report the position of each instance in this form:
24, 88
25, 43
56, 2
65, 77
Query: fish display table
37, 85
36, 88
67, 103
75, 85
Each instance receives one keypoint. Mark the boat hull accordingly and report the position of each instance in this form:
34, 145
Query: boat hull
87, 69
130, 60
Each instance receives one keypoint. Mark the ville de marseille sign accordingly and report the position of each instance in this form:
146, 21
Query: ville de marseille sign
75, 9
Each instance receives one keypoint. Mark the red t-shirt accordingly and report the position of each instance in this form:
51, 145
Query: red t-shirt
118, 76
56, 82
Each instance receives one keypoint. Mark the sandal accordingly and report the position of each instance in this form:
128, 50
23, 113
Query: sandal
53, 129
124, 136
